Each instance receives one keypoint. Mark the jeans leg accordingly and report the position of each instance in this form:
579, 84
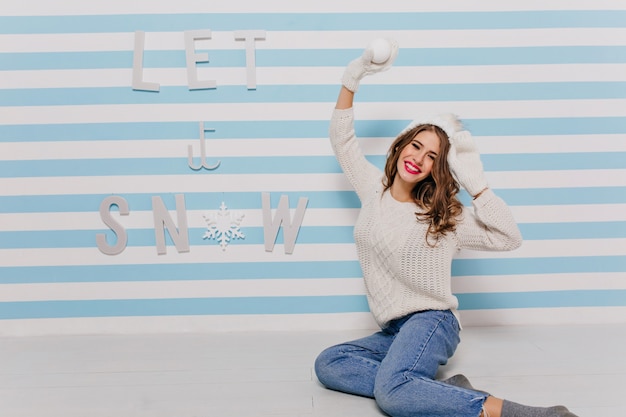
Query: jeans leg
351, 367
405, 385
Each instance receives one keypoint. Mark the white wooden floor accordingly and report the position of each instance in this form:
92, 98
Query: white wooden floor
270, 374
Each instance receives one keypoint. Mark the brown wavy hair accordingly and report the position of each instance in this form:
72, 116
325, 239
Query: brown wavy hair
436, 195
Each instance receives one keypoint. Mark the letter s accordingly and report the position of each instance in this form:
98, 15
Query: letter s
118, 229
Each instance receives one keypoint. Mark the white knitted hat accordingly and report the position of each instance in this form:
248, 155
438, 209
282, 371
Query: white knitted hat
448, 122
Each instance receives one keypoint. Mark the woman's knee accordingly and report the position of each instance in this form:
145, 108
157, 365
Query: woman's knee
400, 396
323, 364
385, 398
345, 368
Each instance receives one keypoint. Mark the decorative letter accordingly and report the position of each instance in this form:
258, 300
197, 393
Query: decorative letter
162, 221
192, 58
118, 229
138, 82
203, 162
250, 36
290, 230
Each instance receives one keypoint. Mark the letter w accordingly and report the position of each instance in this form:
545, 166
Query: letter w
271, 226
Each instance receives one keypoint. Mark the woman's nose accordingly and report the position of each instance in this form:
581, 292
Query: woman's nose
419, 158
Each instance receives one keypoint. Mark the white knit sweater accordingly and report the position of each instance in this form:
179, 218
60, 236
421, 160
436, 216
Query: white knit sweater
402, 273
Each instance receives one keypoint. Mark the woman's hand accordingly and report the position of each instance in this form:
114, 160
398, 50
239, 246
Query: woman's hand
363, 65
465, 164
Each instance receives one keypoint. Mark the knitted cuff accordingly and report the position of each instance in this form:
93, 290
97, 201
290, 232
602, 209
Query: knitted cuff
349, 81
474, 185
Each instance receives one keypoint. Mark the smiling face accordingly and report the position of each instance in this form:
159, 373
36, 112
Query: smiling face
416, 160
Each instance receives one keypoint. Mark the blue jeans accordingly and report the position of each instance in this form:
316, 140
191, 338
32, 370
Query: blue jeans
397, 366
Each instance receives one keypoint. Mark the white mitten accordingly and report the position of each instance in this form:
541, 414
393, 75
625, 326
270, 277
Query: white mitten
465, 164
363, 65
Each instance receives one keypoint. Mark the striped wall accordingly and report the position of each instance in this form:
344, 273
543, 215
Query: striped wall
542, 86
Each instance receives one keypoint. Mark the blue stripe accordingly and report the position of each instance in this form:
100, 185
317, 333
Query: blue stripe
576, 230
529, 55
193, 201
525, 266
317, 93
286, 165
547, 126
306, 235
415, 57
294, 129
168, 130
170, 166
183, 307
292, 305
295, 270
312, 21
16, 61
495, 92
543, 299
146, 237
206, 271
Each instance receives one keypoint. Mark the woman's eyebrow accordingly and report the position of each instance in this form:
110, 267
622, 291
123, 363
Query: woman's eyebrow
422, 145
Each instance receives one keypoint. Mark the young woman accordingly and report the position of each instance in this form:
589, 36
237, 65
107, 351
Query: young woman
409, 228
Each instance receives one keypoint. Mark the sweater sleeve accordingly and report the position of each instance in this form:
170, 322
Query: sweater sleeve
489, 227
359, 171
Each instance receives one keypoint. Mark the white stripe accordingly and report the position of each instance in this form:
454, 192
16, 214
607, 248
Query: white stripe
281, 183
303, 253
541, 282
235, 76
543, 316
77, 7
306, 111
313, 217
493, 74
187, 324
144, 219
153, 290
551, 144
556, 179
570, 213
293, 287
146, 255
555, 248
303, 40
493, 109
174, 183
114, 149
266, 76
295, 322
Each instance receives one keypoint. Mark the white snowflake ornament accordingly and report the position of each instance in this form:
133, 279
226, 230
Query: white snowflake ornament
223, 226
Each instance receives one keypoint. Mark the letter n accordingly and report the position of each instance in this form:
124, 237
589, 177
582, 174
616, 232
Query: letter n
162, 221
